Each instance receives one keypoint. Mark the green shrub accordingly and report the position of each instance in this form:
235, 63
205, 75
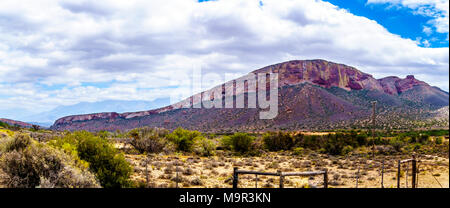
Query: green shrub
148, 140
334, 145
278, 141
29, 164
362, 139
20, 142
183, 139
226, 143
330, 143
103, 134
204, 147
397, 143
110, 166
438, 140
412, 147
346, 150
424, 139
241, 142
298, 151
308, 141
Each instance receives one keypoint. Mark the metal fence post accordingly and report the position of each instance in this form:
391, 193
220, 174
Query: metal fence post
325, 179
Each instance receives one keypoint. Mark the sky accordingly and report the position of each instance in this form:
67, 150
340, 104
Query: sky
55, 53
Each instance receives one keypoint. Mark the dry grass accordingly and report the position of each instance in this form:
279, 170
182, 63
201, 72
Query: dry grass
216, 172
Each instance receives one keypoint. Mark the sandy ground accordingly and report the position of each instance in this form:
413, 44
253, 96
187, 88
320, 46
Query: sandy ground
217, 171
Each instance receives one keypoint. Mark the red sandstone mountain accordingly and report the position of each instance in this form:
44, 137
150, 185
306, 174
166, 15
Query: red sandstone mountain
313, 94
16, 123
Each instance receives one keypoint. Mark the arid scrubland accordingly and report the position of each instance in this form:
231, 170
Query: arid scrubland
158, 158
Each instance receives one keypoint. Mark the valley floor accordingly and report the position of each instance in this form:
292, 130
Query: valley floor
217, 171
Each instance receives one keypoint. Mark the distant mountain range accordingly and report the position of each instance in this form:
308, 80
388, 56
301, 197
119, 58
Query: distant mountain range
313, 95
46, 119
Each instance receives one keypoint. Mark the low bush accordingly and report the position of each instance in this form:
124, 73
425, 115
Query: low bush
148, 140
226, 143
424, 139
334, 145
29, 164
183, 139
299, 151
438, 140
109, 166
241, 142
397, 143
278, 141
346, 150
204, 147
330, 143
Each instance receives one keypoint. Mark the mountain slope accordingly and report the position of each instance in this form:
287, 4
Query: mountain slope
16, 123
313, 94
93, 107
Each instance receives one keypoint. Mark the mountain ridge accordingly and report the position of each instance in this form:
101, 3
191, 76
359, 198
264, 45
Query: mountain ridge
16, 123
390, 91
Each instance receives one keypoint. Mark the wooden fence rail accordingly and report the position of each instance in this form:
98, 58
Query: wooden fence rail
236, 173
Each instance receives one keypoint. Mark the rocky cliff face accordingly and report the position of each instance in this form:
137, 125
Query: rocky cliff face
323, 73
295, 104
394, 85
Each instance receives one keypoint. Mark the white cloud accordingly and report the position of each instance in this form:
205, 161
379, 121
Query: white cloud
132, 48
437, 9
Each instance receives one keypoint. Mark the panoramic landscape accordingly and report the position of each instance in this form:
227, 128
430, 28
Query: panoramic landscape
325, 122
224, 94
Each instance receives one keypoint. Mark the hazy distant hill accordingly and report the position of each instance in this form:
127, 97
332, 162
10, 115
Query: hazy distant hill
47, 118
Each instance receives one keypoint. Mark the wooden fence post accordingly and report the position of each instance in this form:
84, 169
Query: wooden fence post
281, 179
325, 179
374, 104
235, 177
146, 172
382, 174
398, 174
357, 177
418, 172
256, 180
406, 175
414, 171
176, 173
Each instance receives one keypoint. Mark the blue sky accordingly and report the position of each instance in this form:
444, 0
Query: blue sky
62, 52
396, 19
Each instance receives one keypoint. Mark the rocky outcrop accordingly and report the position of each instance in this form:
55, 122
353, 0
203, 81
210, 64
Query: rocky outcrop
323, 73
394, 85
110, 116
